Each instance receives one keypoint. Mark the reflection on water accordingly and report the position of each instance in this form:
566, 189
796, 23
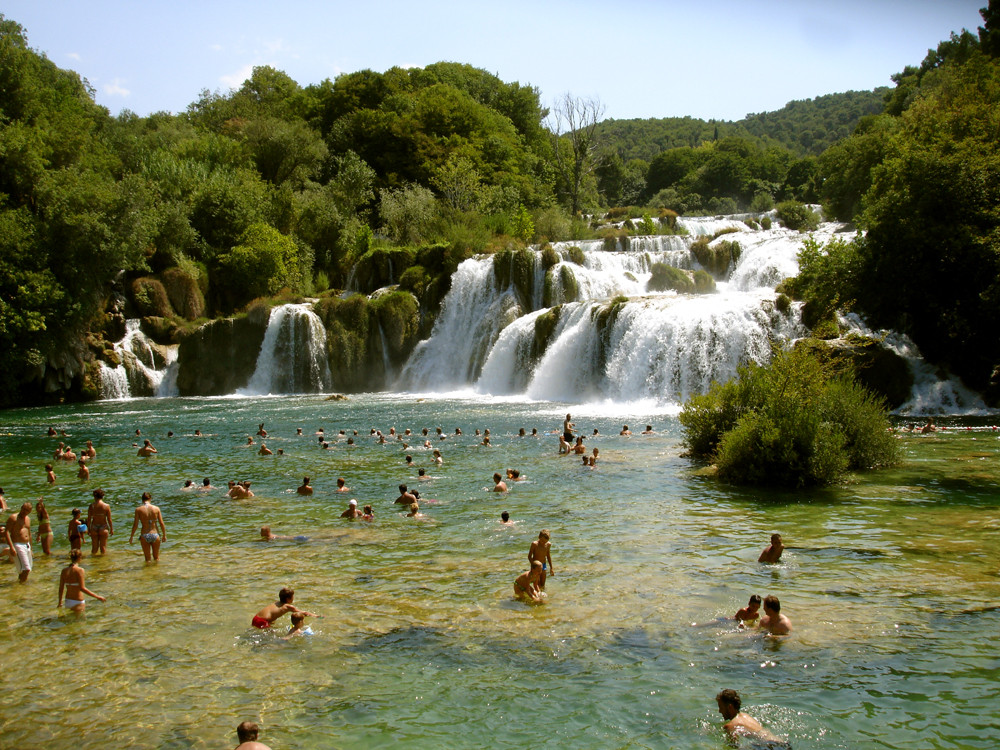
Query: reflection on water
891, 582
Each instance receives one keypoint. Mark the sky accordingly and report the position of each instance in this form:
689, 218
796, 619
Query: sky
720, 59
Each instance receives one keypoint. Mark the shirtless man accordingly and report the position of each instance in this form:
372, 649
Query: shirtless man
99, 523
625, 430
526, 585
18, 537
267, 616
89, 451
648, 430
146, 450
579, 449
246, 733
498, 484
72, 585
264, 450
206, 485
149, 516
68, 454
352, 510
305, 488
83, 472
342, 485
505, 519
750, 613
739, 724
772, 553
405, 498
773, 621
540, 551
568, 429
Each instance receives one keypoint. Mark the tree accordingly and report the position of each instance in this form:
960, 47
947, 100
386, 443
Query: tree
572, 126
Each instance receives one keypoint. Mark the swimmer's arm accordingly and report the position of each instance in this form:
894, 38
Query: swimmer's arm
87, 591
62, 587
135, 525
111, 526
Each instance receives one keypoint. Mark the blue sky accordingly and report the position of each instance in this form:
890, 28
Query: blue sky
641, 58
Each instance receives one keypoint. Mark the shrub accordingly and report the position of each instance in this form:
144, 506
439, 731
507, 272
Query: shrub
150, 298
553, 224
667, 277
765, 222
181, 283
576, 256
797, 216
549, 257
703, 282
791, 423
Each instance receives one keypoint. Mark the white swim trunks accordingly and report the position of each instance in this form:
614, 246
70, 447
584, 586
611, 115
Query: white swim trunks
24, 557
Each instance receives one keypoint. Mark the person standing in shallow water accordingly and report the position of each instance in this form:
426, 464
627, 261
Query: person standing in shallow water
772, 553
99, 523
541, 552
72, 585
149, 516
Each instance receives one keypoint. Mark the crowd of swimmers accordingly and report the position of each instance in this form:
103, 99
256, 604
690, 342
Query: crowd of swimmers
528, 587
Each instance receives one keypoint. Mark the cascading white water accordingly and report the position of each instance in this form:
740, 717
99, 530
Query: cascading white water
146, 369
663, 347
292, 356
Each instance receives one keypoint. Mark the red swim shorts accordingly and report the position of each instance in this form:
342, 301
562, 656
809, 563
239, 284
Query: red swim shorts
260, 622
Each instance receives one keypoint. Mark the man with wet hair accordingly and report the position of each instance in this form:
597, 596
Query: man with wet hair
773, 621
246, 733
405, 498
739, 724
772, 553
266, 617
17, 533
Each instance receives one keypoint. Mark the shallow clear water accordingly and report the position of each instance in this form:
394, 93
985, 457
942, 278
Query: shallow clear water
892, 583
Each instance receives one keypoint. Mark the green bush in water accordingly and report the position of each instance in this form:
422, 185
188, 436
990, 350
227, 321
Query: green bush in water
576, 256
765, 223
150, 298
545, 326
515, 268
184, 291
703, 282
717, 258
782, 303
791, 423
414, 279
570, 287
797, 216
665, 278
549, 257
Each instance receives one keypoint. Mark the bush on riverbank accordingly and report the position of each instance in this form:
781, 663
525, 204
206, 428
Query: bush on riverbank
791, 423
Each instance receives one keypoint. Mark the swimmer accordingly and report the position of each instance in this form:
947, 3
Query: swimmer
929, 427
342, 485
197, 433
499, 484
586, 461
593, 458
368, 514
298, 430
422, 475
534, 432
261, 431
149, 516
773, 621
486, 441
772, 553
540, 551
206, 485
68, 454
352, 510
648, 430
76, 530
526, 586
246, 734
147, 449
297, 629
267, 536
50, 475
72, 585
17, 534
739, 724
750, 613
305, 488
405, 498
568, 429
522, 433
437, 457
264, 450
505, 519
83, 472
99, 523
625, 430
89, 451
409, 460
458, 430
249, 440
564, 447
188, 485
415, 511
267, 616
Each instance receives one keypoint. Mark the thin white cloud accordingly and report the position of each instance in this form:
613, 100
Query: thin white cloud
115, 88
215, 47
235, 80
73, 56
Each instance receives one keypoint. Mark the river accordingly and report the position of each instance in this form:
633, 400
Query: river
891, 583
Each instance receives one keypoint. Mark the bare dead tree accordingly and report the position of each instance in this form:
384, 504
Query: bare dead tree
572, 123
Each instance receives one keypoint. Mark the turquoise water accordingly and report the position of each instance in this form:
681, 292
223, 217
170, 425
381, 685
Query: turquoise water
891, 582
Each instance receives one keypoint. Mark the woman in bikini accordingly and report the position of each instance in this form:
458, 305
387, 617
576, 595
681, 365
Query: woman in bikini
149, 516
44, 534
71, 584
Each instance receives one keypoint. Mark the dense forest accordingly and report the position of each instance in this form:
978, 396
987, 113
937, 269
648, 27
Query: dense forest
278, 190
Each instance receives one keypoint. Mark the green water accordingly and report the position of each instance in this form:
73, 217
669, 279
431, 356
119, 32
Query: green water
892, 583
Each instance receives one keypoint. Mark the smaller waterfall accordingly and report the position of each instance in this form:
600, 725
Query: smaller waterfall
292, 357
145, 369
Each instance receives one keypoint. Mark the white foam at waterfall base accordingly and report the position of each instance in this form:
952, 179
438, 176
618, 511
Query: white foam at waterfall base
292, 357
139, 365
933, 392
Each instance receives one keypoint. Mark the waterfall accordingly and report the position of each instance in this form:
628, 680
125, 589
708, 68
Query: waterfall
611, 338
292, 357
144, 369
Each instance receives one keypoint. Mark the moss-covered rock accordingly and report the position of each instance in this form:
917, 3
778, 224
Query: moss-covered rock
664, 278
150, 297
703, 282
398, 315
545, 326
568, 283
184, 292
717, 258
220, 357
549, 257
516, 268
161, 330
576, 256
382, 266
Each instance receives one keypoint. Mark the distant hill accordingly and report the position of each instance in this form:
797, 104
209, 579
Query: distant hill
804, 127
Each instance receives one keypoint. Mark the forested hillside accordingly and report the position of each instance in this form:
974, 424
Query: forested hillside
279, 190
